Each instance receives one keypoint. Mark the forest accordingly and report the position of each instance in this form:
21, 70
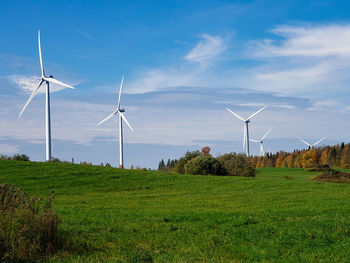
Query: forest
326, 156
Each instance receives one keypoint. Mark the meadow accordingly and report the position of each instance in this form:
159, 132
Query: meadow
114, 215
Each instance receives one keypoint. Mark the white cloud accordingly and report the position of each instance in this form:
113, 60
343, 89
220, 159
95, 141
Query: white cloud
308, 61
308, 41
274, 105
184, 73
207, 49
324, 105
85, 34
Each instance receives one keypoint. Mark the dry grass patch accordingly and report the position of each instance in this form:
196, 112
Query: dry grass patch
333, 176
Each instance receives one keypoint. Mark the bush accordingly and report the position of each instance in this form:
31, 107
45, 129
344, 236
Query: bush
180, 165
204, 165
333, 176
55, 160
237, 165
28, 226
15, 157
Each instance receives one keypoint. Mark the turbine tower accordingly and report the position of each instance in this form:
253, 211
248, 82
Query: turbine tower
245, 128
312, 145
47, 80
262, 153
119, 111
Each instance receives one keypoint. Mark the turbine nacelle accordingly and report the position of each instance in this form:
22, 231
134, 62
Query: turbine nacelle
121, 110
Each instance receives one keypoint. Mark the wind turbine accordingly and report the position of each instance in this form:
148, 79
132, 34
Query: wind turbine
262, 153
245, 128
119, 111
312, 145
43, 79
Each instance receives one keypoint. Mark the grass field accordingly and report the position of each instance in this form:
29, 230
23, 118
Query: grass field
115, 215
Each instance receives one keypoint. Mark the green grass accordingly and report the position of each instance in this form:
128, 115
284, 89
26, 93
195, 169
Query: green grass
115, 215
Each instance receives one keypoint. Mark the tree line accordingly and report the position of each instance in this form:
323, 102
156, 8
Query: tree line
202, 162
336, 155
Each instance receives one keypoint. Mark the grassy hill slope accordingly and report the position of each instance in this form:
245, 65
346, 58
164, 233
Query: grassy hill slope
118, 215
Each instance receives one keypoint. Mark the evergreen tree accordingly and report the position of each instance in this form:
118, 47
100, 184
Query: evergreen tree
161, 165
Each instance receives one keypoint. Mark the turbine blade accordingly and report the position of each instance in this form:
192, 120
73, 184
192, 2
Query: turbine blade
120, 92
235, 114
251, 116
52, 80
254, 140
308, 144
126, 121
262, 150
265, 135
318, 142
31, 97
108, 117
40, 57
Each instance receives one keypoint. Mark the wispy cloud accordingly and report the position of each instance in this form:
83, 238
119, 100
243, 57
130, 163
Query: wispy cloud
307, 41
208, 48
309, 61
186, 73
85, 34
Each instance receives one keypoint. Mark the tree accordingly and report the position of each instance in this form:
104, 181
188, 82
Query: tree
180, 165
161, 165
345, 157
324, 157
206, 151
237, 165
204, 165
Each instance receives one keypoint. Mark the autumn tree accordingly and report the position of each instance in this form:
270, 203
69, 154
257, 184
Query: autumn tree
206, 151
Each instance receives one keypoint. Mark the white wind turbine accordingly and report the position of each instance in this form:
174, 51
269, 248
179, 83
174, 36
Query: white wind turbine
312, 145
262, 153
121, 118
43, 79
245, 128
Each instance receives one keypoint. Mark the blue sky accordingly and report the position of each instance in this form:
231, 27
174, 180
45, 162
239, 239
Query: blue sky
184, 63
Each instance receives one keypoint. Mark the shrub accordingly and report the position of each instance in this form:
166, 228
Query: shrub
180, 165
237, 165
15, 157
204, 165
334, 176
28, 226
55, 160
